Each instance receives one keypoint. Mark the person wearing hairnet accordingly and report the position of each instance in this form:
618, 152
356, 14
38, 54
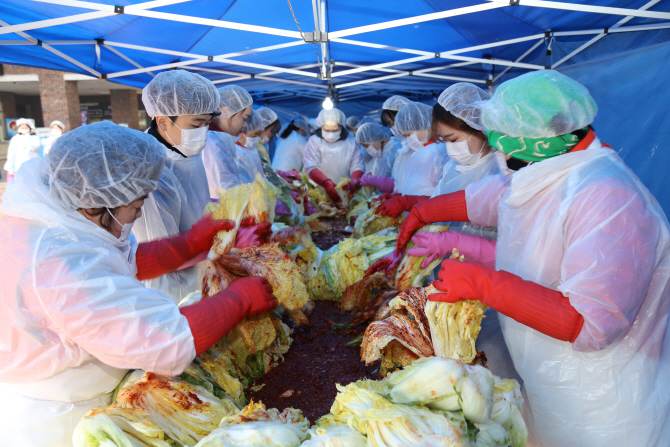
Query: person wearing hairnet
291, 146
352, 124
75, 316
390, 109
57, 129
22, 147
181, 105
382, 148
271, 126
582, 268
248, 158
331, 155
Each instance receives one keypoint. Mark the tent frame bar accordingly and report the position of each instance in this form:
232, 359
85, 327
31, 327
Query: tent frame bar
588, 8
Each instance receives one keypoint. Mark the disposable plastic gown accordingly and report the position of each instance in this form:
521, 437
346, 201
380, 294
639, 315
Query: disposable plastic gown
21, 149
74, 317
289, 152
417, 173
383, 165
177, 204
248, 163
335, 160
583, 224
455, 177
219, 159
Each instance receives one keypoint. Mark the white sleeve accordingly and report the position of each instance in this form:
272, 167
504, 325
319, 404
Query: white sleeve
220, 166
312, 157
162, 209
357, 159
482, 199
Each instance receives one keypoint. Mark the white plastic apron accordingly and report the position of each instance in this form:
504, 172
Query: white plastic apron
336, 159
418, 171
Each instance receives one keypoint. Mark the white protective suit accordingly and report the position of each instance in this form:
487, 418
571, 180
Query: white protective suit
21, 149
417, 173
74, 317
383, 166
175, 206
336, 160
289, 153
219, 159
248, 163
583, 224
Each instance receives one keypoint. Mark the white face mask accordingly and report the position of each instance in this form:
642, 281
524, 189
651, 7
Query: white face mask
125, 228
373, 151
460, 152
56, 132
24, 131
264, 140
192, 140
251, 142
414, 143
331, 137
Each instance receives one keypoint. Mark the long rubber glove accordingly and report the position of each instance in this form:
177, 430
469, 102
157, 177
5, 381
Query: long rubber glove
386, 264
531, 304
441, 245
212, 318
445, 208
355, 183
156, 258
384, 184
327, 184
395, 206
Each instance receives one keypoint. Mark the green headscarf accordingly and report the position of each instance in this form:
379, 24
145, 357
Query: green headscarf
533, 149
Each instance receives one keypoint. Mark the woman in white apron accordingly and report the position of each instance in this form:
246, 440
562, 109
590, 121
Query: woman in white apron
75, 316
291, 146
582, 279
331, 155
22, 147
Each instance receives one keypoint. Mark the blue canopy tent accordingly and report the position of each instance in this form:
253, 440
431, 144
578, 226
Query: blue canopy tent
292, 54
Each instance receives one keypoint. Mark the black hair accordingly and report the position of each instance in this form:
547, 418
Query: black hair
275, 123
441, 115
289, 130
388, 117
106, 220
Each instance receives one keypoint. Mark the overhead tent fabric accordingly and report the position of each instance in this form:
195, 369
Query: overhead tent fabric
364, 52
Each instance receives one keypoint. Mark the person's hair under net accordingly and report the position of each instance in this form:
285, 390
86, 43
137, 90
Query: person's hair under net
395, 103
353, 121
370, 133
331, 116
254, 123
298, 122
180, 92
268, 116
463, 101
414, 117
234, 99
103, 165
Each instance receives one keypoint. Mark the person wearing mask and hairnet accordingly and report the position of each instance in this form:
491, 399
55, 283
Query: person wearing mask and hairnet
75, 316
331, 155
57, 129
352, 124
382, 148
271, 126
248, 158
291, 146
22, 147
181, 105
582, 268
390, 109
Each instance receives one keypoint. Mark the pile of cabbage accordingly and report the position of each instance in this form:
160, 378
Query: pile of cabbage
433, 402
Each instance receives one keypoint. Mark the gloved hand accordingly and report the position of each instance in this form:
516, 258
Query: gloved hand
386, 264
355, 183
212, 318
156, 258
531, 304
384, 184
281, 209
249, 236
446, 208
385, 197
440, 245
297, 198
327, 184
289, 176
395, 206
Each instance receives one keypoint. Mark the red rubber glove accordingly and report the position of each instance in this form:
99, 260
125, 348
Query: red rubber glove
327, 184
355, 183
385, 197
445, 208
156, 258
441, 245
386, 264
399, 204
212, 318
531, 304
248, 236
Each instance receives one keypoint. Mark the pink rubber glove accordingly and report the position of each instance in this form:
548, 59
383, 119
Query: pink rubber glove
289, 176
253, 235
440, 246
384, 184
281, 209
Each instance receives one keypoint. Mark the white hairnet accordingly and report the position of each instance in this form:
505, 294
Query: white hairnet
301, 123
104, 165
28, 122
369, 133
268, 116
331, 116
180, 92
353, 121
413, 117
539, 104
395, 103
460, 100
234, 99
254, 123
367, 119
57, 123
